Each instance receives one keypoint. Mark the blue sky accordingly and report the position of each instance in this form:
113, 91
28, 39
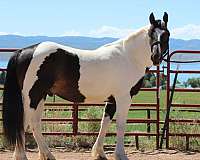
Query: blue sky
97, 18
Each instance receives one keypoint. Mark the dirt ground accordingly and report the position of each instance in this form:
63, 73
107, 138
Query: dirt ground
156, 155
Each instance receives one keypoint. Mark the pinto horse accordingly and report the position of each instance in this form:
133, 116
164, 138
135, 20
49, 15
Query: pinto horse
79, 76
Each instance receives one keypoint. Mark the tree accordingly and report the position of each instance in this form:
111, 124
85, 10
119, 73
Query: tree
147, 84
2, 77
185, 84
193, 82
149, 80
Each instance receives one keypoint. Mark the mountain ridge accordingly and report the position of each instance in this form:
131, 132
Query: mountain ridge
83, 42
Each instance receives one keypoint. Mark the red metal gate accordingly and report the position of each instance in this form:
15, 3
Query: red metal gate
184, 106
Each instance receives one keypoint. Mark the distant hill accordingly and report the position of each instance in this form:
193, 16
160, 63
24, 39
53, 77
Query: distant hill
15, 41
179, 44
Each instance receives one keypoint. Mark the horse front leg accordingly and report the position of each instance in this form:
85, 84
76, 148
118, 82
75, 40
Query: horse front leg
123, 104
110, 109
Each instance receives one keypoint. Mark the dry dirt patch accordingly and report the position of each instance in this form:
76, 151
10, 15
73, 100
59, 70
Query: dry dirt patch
156, 155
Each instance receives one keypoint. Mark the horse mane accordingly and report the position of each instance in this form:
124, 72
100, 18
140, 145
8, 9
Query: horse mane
127, 38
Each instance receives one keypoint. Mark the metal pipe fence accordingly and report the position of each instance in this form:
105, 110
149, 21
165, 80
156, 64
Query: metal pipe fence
188, 107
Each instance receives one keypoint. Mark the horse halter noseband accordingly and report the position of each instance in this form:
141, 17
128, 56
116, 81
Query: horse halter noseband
164, 53
154, 43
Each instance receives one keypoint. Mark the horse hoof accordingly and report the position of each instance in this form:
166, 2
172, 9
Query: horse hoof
47, 157
98, 153
19, 157
100, 158
120, 157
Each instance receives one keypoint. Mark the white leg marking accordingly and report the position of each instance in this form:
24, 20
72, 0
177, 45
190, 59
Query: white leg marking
123, 104
97, 149
35, 123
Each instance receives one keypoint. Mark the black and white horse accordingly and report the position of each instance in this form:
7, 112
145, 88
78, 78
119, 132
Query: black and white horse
79, 76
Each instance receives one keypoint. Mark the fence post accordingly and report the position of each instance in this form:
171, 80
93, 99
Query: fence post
137, 142
168, 99
148, 123
187, 142
158, 107
75, 119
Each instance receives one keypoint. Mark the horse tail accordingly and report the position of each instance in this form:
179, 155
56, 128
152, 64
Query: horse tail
13, 111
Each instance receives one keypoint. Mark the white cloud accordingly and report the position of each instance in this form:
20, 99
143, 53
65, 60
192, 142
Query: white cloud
3, 33
190, 31
104, 31
71, 33
20, 34
110, 31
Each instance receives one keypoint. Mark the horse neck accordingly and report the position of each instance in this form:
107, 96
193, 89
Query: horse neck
138, 49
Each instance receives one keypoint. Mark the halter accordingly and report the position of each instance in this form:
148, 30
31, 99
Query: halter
164, 53
153, 44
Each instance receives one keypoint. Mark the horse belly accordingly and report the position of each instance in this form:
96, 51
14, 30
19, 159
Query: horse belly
94, 85
94, 89
99, 81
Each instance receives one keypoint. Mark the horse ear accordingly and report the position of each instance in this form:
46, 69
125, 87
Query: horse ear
165, 18
152, 18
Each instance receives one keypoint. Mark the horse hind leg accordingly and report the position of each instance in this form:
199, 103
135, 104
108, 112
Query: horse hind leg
19, 153
35, 124
110, 109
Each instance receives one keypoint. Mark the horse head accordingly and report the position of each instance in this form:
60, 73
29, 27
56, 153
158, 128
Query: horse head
159, 38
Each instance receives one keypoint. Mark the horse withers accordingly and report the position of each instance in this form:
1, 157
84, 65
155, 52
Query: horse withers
79, 76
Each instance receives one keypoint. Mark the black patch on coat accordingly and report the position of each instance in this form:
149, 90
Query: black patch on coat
24, 58
135, 89
59, 74
110, 107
